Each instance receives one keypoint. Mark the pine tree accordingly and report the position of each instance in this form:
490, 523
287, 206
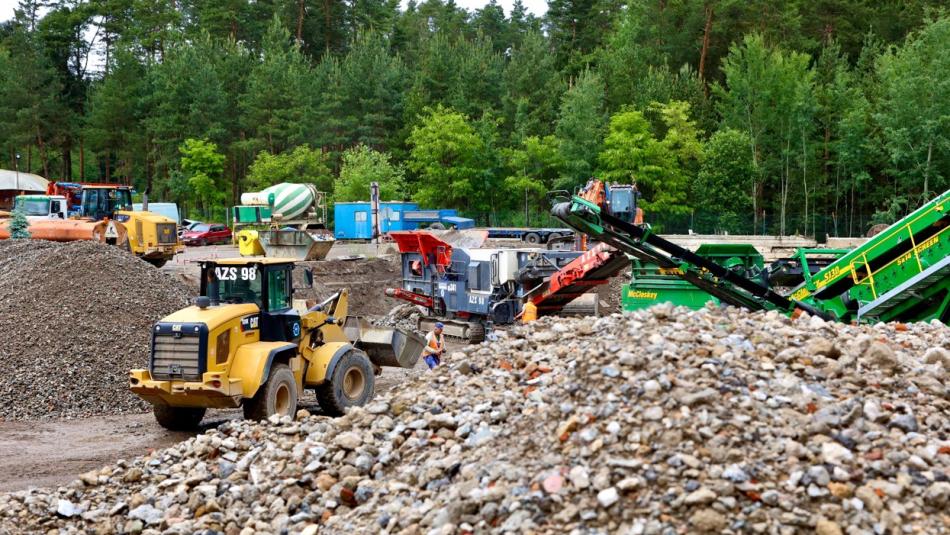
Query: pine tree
580, 129
19, 224
276, 108
532, 89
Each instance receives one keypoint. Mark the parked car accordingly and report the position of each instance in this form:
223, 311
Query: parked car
186, 225
206, 234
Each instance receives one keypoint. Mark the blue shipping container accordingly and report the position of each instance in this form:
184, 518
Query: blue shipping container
354, 220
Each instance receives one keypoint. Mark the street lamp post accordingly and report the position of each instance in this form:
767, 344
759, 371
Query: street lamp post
17, 166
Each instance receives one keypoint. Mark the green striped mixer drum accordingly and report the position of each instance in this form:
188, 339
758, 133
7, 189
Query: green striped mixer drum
291, 201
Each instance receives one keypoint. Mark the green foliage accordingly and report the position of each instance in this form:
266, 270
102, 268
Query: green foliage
461, 74
203, 165
532, 89
632, 154
842, 105
726, 177
534, 167
769, 95
276, 105
580, 129
300, 165
447, 156
365, 92
19, 224
576, 28
914, 110
361, 167
116, 111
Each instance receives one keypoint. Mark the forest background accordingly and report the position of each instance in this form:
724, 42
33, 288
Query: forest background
817, 117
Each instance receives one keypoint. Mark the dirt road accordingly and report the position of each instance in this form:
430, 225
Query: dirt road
43, 454
53, 453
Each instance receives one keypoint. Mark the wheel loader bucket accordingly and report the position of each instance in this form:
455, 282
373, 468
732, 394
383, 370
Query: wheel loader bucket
385, 346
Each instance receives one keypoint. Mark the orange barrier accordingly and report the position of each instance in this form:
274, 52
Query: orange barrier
73, 230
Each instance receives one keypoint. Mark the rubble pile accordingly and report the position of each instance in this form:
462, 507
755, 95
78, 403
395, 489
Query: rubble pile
74, 318
405, 316
660, 421
366, 280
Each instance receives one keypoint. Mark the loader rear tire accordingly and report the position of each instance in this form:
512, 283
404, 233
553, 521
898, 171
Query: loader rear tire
352, 384
178, 418
277, 396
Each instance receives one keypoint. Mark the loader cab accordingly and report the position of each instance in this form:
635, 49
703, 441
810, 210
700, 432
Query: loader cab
265, 282
622, 200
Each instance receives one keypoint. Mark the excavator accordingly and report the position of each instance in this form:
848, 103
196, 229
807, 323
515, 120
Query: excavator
900, 274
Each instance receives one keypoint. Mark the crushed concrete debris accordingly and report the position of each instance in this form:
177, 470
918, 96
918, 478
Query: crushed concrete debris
745, 428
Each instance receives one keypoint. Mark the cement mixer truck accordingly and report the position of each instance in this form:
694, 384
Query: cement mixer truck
287, 220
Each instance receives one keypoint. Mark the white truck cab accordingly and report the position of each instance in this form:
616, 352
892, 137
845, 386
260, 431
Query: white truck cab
38, 207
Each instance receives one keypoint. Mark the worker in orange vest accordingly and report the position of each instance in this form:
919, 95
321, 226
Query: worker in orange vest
435, 346
529, 312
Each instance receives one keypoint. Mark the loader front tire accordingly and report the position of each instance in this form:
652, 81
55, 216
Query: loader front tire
277, 396
178, 418
351, 385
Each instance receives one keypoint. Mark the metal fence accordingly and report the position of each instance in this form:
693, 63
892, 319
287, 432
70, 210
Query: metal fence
819, 226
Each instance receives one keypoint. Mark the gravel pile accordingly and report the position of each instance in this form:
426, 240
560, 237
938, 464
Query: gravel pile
367, 280
665, 421
74, 318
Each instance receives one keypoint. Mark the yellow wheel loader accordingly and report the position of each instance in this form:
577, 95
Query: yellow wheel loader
247, 342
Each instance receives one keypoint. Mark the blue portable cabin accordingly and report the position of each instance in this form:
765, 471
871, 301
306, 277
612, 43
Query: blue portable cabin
354, 220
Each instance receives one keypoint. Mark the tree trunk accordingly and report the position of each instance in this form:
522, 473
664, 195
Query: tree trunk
805, 180
43, 158
930, 153
148, 172
785, 183
706, 37
755, 188
67, 164
851, 214
82, 160
826, 156
300, 12
327, 4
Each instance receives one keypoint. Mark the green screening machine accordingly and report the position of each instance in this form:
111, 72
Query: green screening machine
901, 274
